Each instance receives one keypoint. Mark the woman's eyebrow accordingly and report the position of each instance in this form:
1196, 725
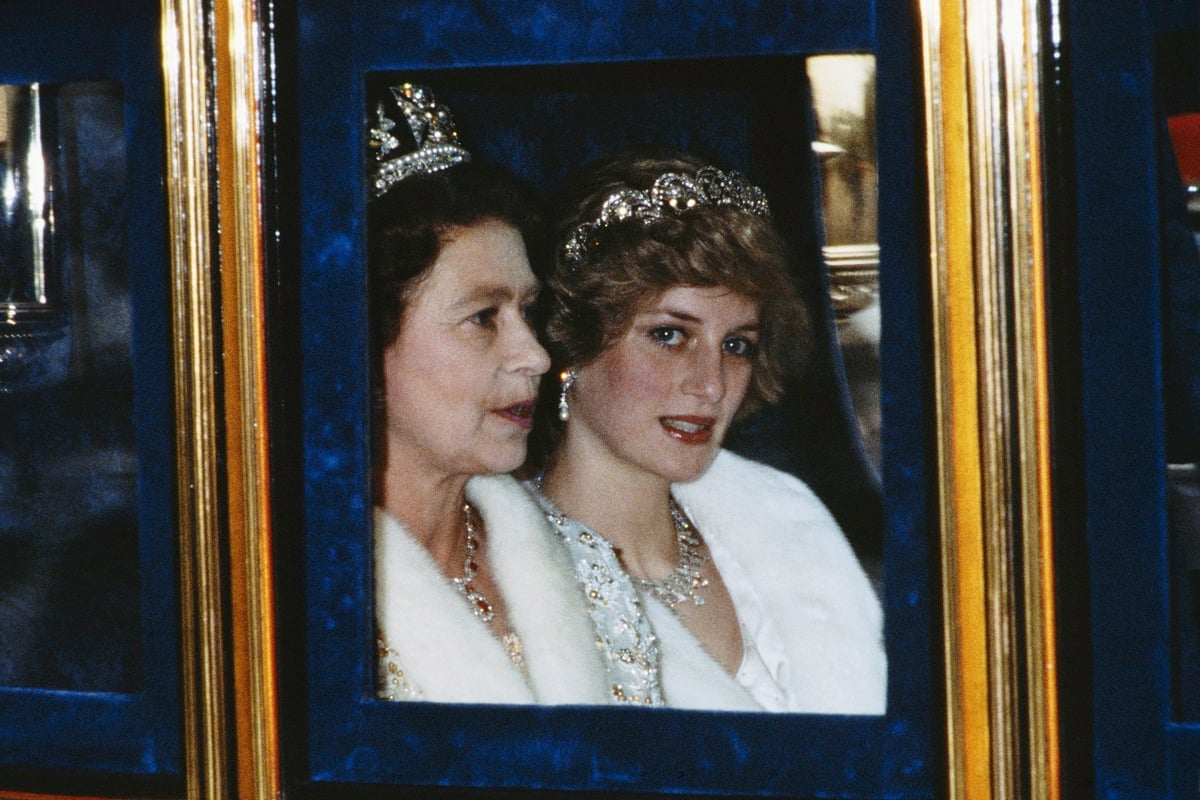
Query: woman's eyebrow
684, 316
496, 293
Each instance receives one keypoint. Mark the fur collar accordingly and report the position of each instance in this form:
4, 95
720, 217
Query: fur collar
690, 677
447, 653
807, 577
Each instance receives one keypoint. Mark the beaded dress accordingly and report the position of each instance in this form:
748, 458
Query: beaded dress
810, 620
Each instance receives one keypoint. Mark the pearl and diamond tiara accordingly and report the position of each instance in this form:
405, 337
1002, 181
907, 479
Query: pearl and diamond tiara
432, 129
672, 193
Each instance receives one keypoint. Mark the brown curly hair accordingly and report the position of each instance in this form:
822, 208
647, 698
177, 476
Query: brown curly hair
592, 303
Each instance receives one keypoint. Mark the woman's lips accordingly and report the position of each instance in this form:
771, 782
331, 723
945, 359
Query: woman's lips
519, 413
689, 429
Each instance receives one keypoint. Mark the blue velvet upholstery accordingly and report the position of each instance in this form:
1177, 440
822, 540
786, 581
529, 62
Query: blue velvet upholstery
89, 631
541, 86
1113, 143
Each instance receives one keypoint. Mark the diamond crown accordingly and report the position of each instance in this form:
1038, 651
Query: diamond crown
433, 130
672, 193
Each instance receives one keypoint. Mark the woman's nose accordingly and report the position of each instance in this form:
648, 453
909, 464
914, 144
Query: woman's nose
706, 375
527, 354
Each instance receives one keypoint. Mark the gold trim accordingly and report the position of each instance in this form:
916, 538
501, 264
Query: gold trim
196, 408
240, 76
982, 84
1033, 397
992, 259
968, 733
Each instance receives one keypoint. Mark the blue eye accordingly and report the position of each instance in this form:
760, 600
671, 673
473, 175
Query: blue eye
667, 336
737, 346
528, 311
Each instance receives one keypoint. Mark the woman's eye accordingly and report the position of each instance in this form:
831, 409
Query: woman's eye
667, 337
529, 311
738, 346
486, 318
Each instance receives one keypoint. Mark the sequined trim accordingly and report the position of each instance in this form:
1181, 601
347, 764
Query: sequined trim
393, 683
623, 633
515, 649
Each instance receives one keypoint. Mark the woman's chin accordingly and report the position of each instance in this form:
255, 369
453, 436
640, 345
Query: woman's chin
503, 461
689, 469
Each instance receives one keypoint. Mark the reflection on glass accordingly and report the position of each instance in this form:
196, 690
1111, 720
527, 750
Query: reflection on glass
843, 91
1180, 192
68, 475
32, 315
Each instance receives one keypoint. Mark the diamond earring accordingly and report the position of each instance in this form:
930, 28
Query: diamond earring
568, 380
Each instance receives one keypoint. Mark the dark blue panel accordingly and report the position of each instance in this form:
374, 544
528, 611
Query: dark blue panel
725, 78
53, 741
1118, 255
56, 41
100, 736
1183, 767
909, 474
1173, 15
431, 34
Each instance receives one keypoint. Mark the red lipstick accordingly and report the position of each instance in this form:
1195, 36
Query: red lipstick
689, 429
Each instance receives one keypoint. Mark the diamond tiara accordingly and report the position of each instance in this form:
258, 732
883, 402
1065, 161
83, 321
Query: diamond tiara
433, 130
672, 193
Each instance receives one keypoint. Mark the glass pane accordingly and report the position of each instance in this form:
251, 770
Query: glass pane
69, 605
843, 91
681, 110
1179, 191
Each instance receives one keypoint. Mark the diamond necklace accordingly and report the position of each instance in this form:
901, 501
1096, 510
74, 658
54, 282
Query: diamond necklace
684, 583
479, 604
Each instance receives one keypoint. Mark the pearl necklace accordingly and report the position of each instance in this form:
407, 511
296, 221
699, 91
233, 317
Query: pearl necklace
684, 583
480, 605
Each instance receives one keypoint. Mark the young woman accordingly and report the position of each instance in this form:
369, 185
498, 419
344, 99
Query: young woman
474, 597
673, 314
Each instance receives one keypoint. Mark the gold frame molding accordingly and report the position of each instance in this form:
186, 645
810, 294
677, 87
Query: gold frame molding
197, 410
218, 280
982, 112
982, 69
241, 78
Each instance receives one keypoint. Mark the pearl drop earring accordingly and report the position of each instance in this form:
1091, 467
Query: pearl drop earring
568, 380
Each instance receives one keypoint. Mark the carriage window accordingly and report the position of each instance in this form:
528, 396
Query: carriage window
843, 90
1179, 192
544, 115
69, 608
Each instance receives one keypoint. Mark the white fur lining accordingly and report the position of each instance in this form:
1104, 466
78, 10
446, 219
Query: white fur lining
690, 677
447, 653
807, 576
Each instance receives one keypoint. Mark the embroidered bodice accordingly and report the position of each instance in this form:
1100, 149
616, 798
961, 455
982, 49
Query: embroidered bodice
623, 633
810, 622
391, 681
616, 606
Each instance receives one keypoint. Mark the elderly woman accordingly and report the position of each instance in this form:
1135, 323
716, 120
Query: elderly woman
672, 315
474, 598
